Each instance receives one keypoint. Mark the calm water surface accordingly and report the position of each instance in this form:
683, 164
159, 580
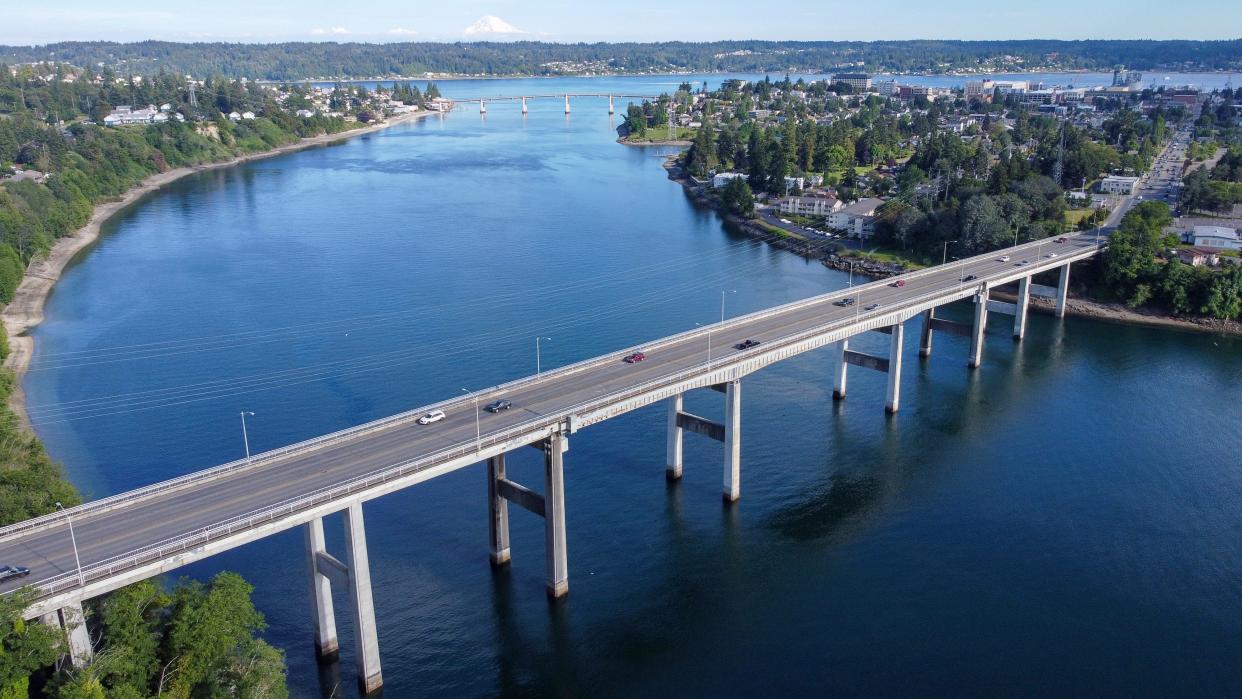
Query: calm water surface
1066, 520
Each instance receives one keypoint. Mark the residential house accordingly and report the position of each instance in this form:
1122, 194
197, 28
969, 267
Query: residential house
813, 205
857, 219
721, 179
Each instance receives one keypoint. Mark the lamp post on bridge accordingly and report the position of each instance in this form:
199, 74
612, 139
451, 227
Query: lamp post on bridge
709, 342
74, 540
538, 364
245, 436
478, 430
944, 254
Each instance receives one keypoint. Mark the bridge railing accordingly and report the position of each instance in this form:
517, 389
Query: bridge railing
186, 542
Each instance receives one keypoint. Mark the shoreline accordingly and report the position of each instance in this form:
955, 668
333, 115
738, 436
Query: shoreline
1077, 306
25, 311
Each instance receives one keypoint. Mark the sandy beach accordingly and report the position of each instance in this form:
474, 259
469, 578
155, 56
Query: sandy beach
25, 311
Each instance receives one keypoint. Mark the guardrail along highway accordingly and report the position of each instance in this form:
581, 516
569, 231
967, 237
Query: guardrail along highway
145, 532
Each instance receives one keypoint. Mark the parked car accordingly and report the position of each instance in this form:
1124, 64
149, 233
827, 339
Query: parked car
635, 358
746, 345
12, 572
899, 283
433, 416
497, 406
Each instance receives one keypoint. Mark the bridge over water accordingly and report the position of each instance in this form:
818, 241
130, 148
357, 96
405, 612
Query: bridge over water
102, 545
524, 99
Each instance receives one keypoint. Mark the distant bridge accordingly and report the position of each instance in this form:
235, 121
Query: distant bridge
100, 546
482, 101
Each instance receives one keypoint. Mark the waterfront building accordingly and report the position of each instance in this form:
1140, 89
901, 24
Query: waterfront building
721, 179
810, 205
857, 219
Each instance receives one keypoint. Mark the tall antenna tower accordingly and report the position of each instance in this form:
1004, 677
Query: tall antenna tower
1059, 169
193, 94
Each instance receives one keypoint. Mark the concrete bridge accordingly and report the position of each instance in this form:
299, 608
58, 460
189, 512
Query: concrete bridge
100, 546
524, 99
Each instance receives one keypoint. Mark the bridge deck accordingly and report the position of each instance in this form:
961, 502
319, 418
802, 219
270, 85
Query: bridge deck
144, 532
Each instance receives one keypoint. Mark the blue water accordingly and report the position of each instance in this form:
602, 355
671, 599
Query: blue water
1064, 520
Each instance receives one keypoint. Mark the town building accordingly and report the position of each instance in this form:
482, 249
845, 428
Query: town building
721, 179
1115, 184
858, 82
1215, 237
1199, 257
857, 219
815, 205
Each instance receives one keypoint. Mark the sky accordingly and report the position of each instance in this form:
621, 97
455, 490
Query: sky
25, 22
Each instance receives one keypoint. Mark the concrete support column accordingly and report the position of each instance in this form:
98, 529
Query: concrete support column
524, 109
925, 338
1022, 303
482, 107
673, 460
327, 647
73, 620
566, 104
976, 337
733, 441
366, 642
498, 512
610, 107
554, 515
894, 368
1063, 290
838, 384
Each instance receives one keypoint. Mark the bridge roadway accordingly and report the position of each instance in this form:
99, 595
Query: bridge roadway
148, 531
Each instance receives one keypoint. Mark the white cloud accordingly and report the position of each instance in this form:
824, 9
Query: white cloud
491, 25
402, 31
320, 31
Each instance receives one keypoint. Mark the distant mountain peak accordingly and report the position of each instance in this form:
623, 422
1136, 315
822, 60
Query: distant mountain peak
491, 25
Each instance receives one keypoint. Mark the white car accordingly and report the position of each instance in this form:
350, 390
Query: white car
1004, 258
433, 416
1051, 255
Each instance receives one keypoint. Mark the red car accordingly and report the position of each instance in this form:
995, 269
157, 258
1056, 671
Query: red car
635, 358
899, 283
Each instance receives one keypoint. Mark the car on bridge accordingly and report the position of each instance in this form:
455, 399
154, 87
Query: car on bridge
433, 416
12, 573
497, 406
746, 345
844, 302
1004, 258
635, 358
969, 278
898, 284
871, 307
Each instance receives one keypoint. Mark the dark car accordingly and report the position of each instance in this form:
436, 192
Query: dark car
899, 283
969, 278
746, 345
12, 572
872, 307
497, 406
844, 302
635, 358
1062, 240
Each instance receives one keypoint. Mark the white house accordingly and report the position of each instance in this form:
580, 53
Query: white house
305, 113
1114, 184
1216, 237
247, 115
857, 219
234, 116
721, 179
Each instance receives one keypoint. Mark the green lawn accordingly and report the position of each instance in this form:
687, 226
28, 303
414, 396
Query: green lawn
1073, 216
660, 133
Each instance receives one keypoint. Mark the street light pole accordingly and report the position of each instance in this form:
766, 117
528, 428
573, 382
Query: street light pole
538, 365
245, 436
722, 300
74, 540
478, 430
709, 342
944, 254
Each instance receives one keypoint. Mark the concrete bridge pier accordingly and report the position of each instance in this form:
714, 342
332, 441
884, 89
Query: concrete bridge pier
482, 107
566, 104
366, 640
498, 511
980, 325
1022, 303
842, 370
72, 621
611, 109
554, 515
327, 647
925, 337
733, 441
524, 108
1062, 291
676, 435
893, 400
